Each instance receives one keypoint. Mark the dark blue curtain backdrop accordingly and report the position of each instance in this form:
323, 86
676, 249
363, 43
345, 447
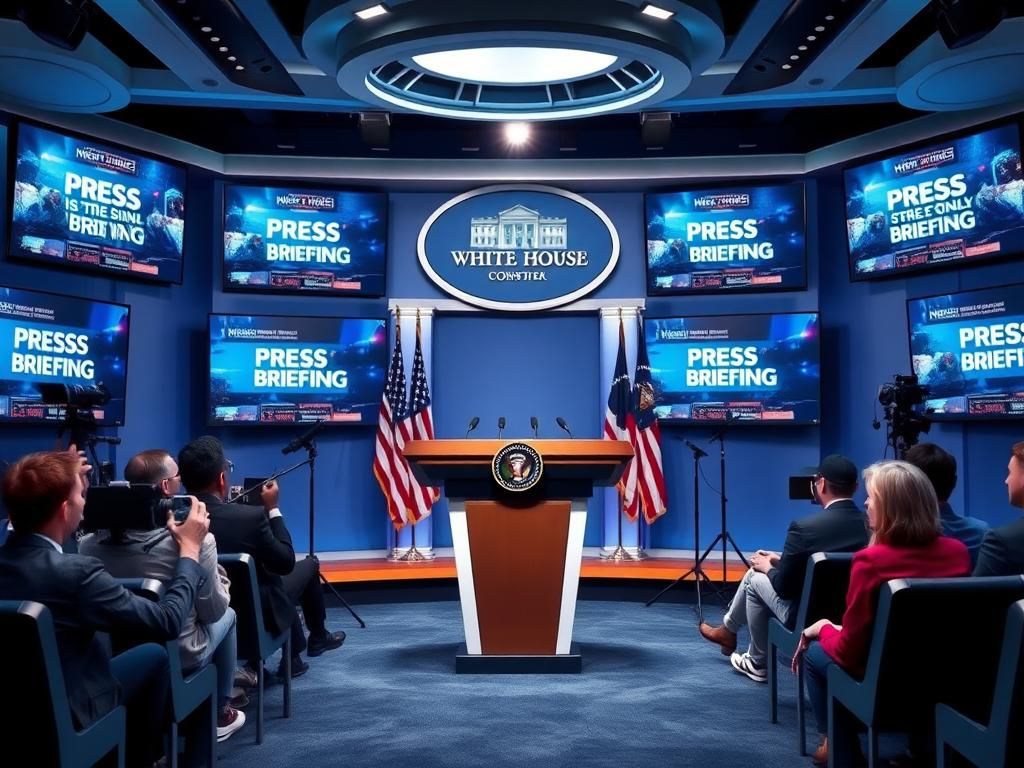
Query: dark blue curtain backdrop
546, 365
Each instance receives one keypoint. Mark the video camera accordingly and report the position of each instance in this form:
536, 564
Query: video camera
904, 424
74, 395
135, 507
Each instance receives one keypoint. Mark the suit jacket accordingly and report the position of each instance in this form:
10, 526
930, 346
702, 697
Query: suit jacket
1002, 551
242, 528
86, 601
970, 530
840, 528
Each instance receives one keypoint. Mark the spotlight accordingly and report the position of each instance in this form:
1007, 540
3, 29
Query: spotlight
655, 128
517, 134
375, 129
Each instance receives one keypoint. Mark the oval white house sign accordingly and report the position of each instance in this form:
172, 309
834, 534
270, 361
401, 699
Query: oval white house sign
518, 247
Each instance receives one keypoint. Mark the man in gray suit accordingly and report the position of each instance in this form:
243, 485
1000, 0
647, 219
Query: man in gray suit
772, 585
45, 496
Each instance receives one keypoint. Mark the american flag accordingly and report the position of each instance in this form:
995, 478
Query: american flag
419, 424
647, 437
619, 424
389, 465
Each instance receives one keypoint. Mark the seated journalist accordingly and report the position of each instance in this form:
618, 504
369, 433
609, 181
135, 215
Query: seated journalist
45, 496
773, 584
1002, 550
209, 633
262, 533
940, 468
906, 542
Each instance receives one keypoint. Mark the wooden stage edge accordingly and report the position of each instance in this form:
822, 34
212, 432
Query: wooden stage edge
653, 569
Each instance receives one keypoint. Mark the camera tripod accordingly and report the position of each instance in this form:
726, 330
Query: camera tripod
310, 461
723, 535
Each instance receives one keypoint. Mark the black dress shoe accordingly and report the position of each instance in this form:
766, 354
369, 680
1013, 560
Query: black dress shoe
327, 642
299, 668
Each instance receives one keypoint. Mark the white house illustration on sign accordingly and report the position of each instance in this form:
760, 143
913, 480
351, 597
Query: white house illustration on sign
519, 227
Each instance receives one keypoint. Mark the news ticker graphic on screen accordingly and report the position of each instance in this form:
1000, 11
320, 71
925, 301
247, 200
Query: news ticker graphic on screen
88, 205
741, 238
295, 370
49, 338
288, 240
954, 202
968, 350
762, 369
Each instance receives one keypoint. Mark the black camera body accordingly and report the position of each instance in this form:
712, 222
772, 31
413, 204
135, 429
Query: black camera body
135, 507
904, 424
904, 392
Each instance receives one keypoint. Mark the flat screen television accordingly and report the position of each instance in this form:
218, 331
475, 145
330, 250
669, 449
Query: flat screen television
967, 348
951, 203
49, 338
84, 204
758, 369
295, 370
290, 240
749, 238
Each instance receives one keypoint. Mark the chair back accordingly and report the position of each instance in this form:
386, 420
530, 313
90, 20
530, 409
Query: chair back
1008, 702
825, 586
35, 702
937, 641
254, 641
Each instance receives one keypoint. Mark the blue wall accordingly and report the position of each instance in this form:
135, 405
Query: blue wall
553, 368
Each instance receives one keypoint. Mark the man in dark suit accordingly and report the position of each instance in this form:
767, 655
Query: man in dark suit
773, 584
45, 496
1002, 550
940, 467
262, 533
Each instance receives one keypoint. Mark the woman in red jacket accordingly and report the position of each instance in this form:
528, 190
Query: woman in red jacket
906, 542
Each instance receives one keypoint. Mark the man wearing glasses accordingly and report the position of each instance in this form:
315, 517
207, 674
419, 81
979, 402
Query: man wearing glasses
262, 533
209, 632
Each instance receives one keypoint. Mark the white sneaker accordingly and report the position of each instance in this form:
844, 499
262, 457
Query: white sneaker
228, 721
742, 663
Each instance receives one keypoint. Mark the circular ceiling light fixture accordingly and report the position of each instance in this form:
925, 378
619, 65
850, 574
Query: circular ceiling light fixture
529, 60
515, 66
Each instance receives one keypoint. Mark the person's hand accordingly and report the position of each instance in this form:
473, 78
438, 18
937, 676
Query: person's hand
270, 494
812, 632
84, 467
798, 654
760, 562
190, 534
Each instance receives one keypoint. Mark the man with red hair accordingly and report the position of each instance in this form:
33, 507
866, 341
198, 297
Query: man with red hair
45, 497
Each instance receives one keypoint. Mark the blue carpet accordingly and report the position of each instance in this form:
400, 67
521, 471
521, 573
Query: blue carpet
652, 693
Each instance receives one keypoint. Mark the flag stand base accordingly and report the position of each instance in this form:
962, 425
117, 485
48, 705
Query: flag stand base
413, 555
619, 554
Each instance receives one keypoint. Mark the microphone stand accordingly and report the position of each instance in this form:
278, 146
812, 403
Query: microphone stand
696, 569
310, 461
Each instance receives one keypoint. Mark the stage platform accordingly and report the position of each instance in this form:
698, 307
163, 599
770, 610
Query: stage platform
357, 570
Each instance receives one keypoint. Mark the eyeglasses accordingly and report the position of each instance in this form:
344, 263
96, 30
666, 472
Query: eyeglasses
175, 476
229, 465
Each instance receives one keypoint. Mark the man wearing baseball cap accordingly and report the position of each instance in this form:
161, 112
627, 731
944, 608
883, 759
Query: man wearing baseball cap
773, 583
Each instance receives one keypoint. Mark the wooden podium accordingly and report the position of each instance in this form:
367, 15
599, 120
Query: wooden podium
518, 555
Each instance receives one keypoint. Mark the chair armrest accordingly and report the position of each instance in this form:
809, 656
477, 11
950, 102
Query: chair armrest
855, 696
964, 735
151, 589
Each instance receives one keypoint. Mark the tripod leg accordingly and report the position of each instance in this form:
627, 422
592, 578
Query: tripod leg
666, 589
343, 600
735, 546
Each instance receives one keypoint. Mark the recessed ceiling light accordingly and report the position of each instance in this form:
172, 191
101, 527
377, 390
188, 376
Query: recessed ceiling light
223, 49
794, 57
829, 18
214, 39
517, 134
239, 67
372, 12
232, 58
812, 38
515, 65
658, 13
819, 29
286, 146
787, 66
207, 29
801, 47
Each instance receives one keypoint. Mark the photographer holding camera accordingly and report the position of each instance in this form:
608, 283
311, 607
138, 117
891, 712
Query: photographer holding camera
45, 496
209, 633
773, 583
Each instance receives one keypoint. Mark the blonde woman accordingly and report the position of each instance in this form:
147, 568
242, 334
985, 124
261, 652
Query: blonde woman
906, 541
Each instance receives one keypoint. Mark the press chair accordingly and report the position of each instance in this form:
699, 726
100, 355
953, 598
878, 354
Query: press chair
34, 710
999, 744
255, 642
823, 597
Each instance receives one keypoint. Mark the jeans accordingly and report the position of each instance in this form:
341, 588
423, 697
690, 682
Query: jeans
845, 744
753, 606
143, 675
222, 650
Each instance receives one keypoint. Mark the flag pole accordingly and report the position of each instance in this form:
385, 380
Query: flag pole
394, 556
413, 555
620, 553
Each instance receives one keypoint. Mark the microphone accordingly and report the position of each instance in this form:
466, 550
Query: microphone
501, 424
698, 452
472, 424
561, 422
717, 436
303, 440
533, 425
